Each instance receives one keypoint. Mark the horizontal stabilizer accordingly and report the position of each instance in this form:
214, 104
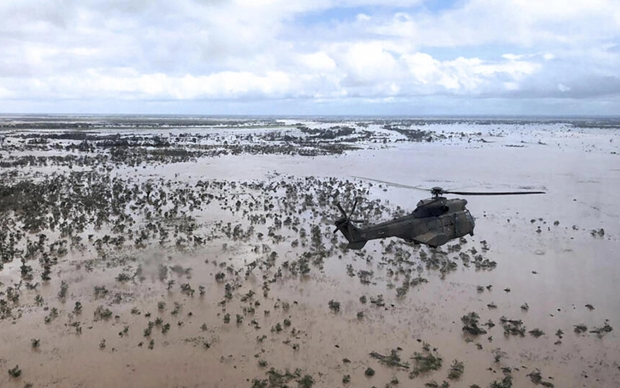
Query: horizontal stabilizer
356, 245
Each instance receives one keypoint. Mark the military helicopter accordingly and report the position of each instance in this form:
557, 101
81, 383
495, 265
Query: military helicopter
434, 222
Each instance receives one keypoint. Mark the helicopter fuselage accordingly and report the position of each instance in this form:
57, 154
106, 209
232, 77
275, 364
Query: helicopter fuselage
434, 222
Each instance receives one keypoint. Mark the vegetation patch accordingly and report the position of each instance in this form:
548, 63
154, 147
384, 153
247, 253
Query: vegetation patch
392, 360
425, 362
471, 324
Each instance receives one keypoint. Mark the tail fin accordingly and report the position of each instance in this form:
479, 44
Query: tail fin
351, 233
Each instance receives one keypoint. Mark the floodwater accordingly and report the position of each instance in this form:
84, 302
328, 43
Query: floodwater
557, 271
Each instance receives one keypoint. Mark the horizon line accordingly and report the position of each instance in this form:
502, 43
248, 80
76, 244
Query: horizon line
343, 115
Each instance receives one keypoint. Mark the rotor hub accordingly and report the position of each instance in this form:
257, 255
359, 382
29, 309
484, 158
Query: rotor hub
437, 191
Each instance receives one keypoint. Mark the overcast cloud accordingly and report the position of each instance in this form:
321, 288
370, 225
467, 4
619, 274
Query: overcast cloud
310, 56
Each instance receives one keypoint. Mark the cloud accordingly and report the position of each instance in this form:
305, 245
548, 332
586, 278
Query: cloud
159, 86
563, 88
364, 70
366, 63
318, 61
242, 50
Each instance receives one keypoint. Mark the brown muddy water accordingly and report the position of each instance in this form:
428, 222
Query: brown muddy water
264, 315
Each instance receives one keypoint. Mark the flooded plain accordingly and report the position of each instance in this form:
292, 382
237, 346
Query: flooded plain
196, 252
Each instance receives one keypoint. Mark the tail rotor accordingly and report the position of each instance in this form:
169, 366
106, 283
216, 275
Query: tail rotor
346, 218
350, 231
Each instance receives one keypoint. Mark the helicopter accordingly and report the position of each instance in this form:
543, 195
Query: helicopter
434, 222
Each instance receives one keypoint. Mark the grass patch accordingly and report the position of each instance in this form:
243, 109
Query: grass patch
392, 360
425, 362
456, 370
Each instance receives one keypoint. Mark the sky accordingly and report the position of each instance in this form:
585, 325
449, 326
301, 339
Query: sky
311, 57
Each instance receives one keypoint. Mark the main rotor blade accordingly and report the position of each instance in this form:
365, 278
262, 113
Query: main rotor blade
450, 191
492, 192
390, 183
359, 221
